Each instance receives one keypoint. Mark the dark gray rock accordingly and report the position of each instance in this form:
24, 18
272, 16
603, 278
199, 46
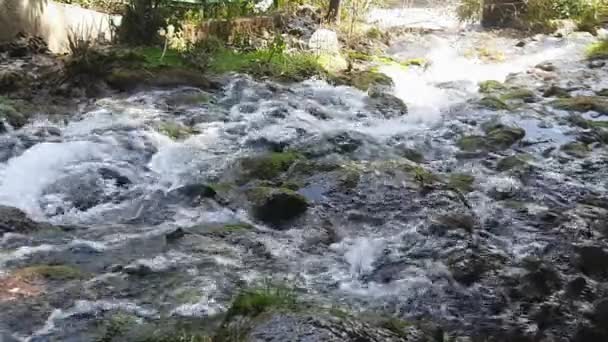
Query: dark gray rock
13, 220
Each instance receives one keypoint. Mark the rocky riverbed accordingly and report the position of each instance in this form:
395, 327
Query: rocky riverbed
477, 213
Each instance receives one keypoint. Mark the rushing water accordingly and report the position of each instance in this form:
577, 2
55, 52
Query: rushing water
112, 176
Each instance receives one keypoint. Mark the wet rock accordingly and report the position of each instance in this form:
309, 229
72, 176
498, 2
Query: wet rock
520, 44
267, 166
276, 205
576, 287
192, 193
600, 312
13, 220
410, 154
175, 235
494, 103
138, 269
461, 182
469, 266
340, 142
318, 327
546, 66
491, 86
519, 94
582, 104
188, 97
390, 106
109, 174
555, 91
541, 280
502, 137
576, 149
596, 64
454, 220
83, 191
11, 115
510, 163
593, 260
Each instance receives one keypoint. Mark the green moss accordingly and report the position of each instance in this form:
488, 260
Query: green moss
116, 326
52, 272
332, 63
582, 104
276, 205
374, 33
579, 121
268, 166
152, 57
349, 179
10, 114
494, 103
504, 137
490, 86
576, 149
175, 130
598, 50
522, 94
509, 163
412, 155
364, 79
472, 143
289, 67
414, 62
395, 325
357, 55
462, 182
253, 302
423, 176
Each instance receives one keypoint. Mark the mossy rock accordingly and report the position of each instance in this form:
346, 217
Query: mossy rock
269, 166
491, 86
126, 79
510, 163
583, 104
364, 79
349, 179
51, 272
519, 94
175, 130
411, 154
276, 205
472, 143
253, 302
462, 182
598, 50
10, 114
494, 103
576, 149
603, 92
503, 137
555, 91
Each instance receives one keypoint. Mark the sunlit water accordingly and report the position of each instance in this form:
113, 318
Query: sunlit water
71, 179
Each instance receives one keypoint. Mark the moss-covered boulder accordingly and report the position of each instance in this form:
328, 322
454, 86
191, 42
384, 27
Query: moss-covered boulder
267, 166
461, 182
576, 149
9, 114
583, 104
276, 205
510, 163
126, 79
519, 94
389, 105
498, 137
364, 79
494, 103
491, 86
555, 91
13, 220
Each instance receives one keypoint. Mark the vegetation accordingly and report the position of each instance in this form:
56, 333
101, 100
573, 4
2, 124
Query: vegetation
598, 50
253, 302
51, 272
269, 166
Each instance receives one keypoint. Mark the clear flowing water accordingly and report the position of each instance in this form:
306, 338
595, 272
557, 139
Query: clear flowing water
111, 176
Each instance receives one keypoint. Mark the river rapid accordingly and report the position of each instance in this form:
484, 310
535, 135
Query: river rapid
497, 256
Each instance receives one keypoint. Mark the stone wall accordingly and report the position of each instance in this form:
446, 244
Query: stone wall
54, 22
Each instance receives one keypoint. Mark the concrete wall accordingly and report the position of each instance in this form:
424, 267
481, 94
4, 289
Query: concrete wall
53, 21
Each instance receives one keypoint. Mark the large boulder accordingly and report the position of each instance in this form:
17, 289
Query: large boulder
502, 13
13, 220
276, 205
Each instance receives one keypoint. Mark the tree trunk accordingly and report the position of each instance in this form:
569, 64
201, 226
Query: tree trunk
333, 14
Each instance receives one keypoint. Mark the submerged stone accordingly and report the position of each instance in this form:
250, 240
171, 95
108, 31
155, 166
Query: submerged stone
276, 205
268, 166
509, 163
461, 182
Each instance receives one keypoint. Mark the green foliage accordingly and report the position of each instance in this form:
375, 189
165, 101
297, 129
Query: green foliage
253, 302
152, 57
141, 21
469, 10
105, 6
266, 63
175, 130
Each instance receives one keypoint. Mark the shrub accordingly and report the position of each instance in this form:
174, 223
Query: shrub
141, 22
256, 301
